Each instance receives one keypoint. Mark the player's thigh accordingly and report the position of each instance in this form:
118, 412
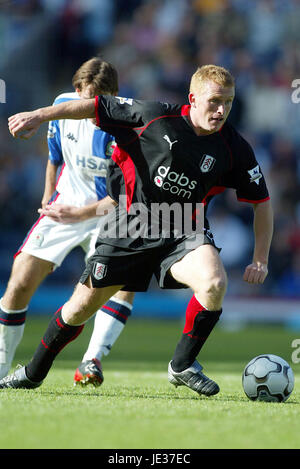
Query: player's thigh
85, 301
26, 275
53, 241
200, 268
89, 243
125, 296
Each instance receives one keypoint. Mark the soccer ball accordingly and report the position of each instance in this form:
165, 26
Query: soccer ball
268, 378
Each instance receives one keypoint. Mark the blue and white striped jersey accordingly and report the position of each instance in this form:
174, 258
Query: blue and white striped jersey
83, 151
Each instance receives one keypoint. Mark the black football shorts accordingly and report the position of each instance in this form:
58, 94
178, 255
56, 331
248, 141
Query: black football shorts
113, 265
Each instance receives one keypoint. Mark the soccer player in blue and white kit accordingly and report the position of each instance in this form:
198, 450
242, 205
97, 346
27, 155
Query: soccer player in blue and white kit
70, 218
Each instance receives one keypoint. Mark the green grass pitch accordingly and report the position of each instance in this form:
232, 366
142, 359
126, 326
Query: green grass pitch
136, 407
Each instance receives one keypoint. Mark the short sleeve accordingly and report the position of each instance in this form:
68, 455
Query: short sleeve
251, 184
245, 176
118, 116
54, 143
116, 112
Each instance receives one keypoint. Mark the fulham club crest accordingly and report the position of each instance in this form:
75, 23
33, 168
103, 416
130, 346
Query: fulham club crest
100, 270
207, 163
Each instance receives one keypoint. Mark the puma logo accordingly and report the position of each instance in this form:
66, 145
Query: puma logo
169, 141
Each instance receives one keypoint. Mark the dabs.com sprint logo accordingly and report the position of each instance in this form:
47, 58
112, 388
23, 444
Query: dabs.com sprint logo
174, 182
2, 91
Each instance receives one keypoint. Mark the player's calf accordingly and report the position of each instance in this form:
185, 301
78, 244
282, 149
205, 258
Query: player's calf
27, 274
109, 322
56, 337
12, 325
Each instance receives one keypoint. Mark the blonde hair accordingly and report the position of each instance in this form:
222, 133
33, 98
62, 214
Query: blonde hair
101, 75
215, 73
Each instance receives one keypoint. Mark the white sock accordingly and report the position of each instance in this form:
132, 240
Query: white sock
107, 329
10, 337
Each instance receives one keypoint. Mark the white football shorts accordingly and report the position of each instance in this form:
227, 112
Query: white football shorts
52, 241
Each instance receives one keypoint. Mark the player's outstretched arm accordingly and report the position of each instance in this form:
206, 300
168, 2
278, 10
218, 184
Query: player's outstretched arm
25, 124
70, 214
257, 271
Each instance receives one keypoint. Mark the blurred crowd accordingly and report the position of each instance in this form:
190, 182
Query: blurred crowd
156, 45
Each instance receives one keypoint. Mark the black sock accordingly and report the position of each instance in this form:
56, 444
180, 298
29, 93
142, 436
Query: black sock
57, 336
192, 341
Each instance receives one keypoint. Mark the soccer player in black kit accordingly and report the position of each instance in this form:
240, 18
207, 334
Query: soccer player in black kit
167, 154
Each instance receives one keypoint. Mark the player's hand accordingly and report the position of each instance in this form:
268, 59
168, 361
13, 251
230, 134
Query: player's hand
255, 273
24, 125
62, 213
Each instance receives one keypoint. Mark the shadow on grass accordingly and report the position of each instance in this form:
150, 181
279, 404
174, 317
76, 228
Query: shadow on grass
128, 393
134, 395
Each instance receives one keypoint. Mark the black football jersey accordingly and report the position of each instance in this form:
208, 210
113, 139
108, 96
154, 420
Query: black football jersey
162, 160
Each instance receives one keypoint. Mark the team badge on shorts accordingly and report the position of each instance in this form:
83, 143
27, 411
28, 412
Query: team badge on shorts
100, 270
207, 163
37, 240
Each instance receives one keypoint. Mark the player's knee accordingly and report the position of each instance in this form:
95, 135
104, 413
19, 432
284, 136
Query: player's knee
215, 287
78, 309
219, 285
17, 287
73, 315
125, 296
28, 271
